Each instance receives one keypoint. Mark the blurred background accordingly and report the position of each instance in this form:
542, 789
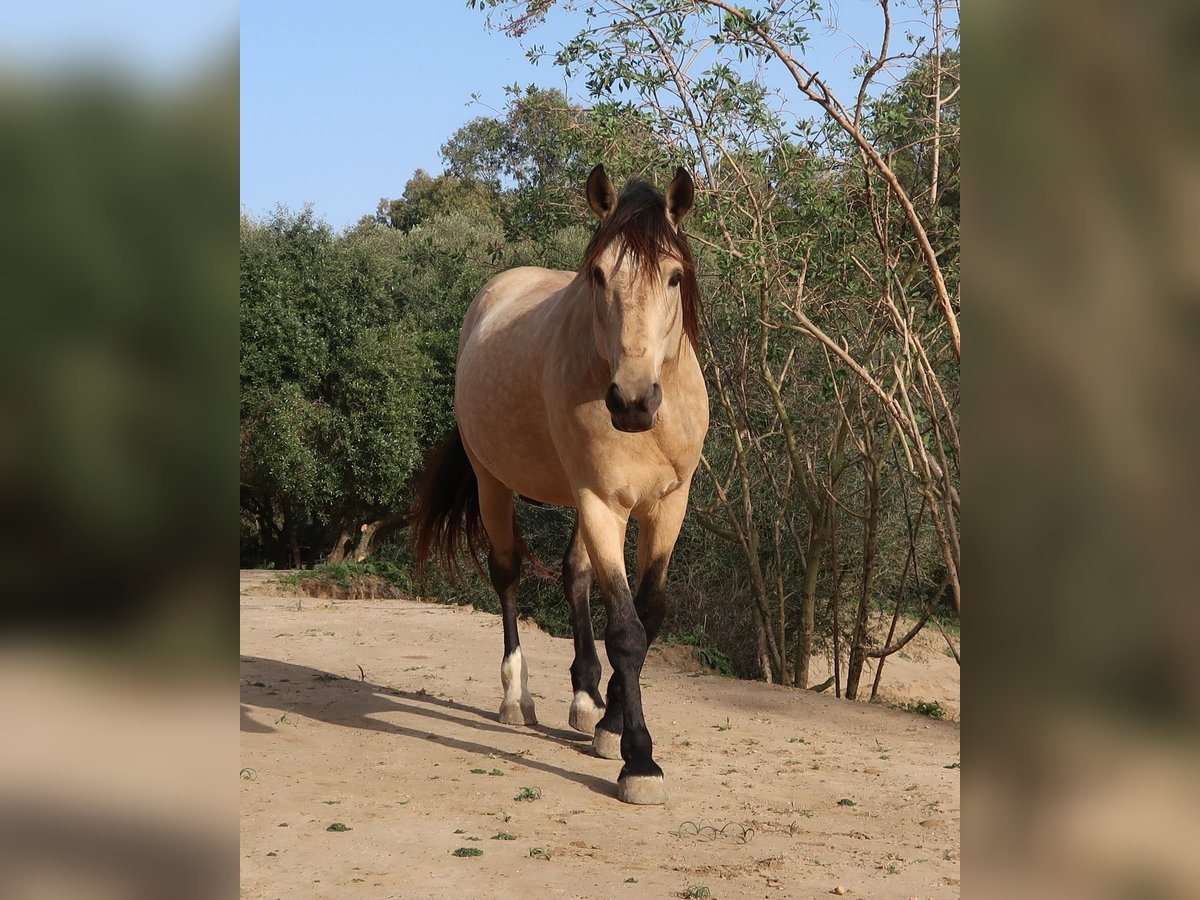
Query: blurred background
118, 442
1084, 222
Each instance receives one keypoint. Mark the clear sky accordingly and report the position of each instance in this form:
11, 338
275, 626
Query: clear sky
159, 42
341, 102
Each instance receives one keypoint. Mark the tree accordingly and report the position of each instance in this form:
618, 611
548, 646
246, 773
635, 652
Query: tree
332, 383
833, 342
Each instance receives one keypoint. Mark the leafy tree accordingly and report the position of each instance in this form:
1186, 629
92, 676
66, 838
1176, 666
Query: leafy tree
333, 386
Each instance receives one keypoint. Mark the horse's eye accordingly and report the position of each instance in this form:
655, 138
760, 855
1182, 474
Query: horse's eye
598, 278
676, 277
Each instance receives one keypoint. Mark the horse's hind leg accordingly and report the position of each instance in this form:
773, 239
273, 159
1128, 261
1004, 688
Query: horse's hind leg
504, 567
587, 706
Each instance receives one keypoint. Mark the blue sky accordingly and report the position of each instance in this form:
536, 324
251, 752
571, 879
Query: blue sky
157, 42
341, 102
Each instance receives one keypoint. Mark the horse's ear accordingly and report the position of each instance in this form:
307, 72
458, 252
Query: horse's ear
600, 194
680, 196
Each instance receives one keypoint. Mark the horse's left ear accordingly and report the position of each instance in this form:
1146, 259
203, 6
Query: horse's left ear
680, 196
601, 196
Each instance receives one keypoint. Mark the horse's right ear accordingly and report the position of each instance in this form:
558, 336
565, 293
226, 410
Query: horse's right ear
600, 194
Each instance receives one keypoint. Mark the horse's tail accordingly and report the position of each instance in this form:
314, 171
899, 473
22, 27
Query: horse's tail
446, 518
446, 515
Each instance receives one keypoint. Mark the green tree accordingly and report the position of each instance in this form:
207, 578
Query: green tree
333, 387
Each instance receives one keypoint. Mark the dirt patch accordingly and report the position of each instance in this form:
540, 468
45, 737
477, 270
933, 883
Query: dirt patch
381, 715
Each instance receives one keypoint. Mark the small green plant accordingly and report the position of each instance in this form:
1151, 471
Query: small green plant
460, 831
529, 794
929, 708
467, 851
724, 727
339, 826
846, 801
538, 853
704, 649
697, 892
504, 836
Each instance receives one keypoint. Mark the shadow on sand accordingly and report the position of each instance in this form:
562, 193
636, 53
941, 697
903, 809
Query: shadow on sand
355, 703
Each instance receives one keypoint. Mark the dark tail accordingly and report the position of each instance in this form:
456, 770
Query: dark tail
446, 518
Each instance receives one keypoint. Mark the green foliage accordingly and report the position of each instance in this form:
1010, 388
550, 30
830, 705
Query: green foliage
467, 851
344, 573
706, 652
930, 708
349, 340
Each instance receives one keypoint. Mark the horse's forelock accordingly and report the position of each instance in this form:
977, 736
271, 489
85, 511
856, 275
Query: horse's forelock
640, 222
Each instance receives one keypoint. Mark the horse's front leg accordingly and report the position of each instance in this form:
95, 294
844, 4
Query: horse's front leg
587, 706
603, 531
657, 533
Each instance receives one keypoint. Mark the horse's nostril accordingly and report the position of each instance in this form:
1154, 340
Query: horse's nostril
654, 399
614, 400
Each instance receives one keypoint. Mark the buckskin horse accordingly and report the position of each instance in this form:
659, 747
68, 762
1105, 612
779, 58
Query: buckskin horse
582, 389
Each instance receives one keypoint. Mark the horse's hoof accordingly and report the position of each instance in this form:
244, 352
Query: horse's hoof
516, 714
585, 714
606, 744
644, 790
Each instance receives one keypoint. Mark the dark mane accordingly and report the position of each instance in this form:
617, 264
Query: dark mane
640, 220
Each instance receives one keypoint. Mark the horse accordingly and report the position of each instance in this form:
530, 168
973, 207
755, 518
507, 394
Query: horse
581, 389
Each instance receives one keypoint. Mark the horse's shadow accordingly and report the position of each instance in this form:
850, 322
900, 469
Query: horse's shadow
354, 703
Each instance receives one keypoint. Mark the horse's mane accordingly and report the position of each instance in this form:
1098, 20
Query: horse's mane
640, 220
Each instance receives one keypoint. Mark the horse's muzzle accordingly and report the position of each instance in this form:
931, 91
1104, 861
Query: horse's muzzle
633, 416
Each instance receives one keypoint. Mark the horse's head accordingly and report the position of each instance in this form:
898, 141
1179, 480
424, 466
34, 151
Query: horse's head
644, 290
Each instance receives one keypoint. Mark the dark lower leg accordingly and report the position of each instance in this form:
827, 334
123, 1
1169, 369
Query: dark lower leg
577, 581
506, 575
651, 601
651, 606
625, 640
517, 706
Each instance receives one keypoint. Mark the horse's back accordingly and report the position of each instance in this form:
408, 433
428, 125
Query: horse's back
508, 297
498, 393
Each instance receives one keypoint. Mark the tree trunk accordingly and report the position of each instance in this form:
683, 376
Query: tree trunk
338, 553
858, 649
294, 545
816, 546
369, 531
764, 658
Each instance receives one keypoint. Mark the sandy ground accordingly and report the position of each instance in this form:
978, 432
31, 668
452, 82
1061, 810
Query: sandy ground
373, 714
